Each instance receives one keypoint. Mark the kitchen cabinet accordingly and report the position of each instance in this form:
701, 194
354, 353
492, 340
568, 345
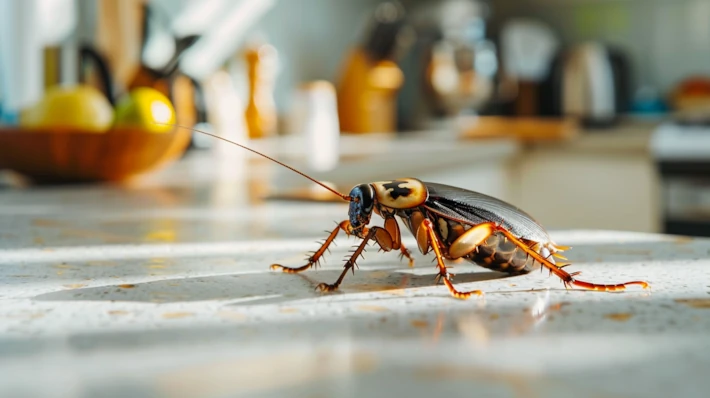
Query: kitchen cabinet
590, 191
603, 180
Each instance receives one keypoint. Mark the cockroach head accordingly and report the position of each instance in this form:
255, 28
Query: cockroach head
361, 204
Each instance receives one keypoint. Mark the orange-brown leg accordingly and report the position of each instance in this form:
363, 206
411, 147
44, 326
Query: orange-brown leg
567, 278
392, 227
383, 239
433, 242
404, 252
314, 258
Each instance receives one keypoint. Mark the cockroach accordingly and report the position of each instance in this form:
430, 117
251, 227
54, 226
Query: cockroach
452, 222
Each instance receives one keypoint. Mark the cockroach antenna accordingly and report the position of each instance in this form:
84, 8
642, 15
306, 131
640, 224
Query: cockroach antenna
343, 196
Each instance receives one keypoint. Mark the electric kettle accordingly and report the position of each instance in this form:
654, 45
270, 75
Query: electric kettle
589, 81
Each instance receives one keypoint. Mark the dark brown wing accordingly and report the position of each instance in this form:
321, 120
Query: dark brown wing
473, 208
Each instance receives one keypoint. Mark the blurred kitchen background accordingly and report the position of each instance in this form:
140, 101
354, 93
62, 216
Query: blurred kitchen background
591, 114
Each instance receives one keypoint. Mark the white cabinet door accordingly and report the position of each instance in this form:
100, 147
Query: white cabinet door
618, 191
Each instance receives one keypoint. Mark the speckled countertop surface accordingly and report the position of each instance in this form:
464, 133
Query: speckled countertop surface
164, 290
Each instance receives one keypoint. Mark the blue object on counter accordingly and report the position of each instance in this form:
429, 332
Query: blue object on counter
648, 100
653, 106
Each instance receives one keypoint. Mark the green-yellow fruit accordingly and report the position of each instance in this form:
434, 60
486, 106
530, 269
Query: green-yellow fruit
147, 109
69, 109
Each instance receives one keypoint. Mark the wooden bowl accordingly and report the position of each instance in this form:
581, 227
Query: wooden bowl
75, 156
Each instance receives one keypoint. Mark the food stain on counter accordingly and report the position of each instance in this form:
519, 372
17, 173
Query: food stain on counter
177, 315
703, 303
118, 312
127, 286
231, 315
419, 323
619, 316
75, 285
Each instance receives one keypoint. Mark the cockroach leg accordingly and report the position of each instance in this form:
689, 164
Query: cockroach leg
315, 257
604, 288
469, 240
392, 227
443, 273
404, 252
381, 236
567, 278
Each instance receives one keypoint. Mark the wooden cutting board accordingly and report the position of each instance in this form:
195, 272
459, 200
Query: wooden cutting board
520, 128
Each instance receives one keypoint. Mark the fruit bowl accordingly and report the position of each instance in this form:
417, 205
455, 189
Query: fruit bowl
52, 156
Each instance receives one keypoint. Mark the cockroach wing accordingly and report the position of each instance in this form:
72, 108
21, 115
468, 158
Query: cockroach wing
473, 208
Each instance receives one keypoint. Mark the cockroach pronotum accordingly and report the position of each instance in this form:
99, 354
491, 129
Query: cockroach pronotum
452, 222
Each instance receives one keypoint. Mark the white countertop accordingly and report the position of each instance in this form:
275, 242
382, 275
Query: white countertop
163, 290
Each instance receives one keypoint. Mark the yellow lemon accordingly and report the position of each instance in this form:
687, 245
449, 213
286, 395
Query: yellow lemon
147, 109
74, 108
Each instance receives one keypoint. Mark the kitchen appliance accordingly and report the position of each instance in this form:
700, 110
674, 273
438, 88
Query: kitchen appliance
527, 48
368, 84
681, 151
589, 81
450, 66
